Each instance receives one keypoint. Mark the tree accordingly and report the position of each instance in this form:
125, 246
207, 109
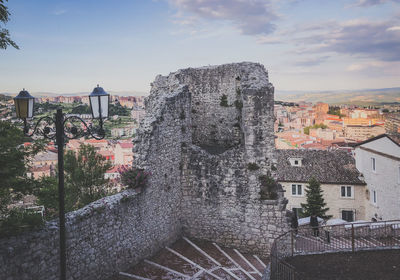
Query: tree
306, 130
84, 175
315, 202
5, 39
84, 181
14, 162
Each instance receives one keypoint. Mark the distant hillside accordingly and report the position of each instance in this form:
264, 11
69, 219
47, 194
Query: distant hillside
356, 97
43, 94
4, 97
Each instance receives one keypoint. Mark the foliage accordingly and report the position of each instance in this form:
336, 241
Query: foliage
19, 220
5, 39
252, 166
14, 162
133, 177
224, 101
268, 187
315, 202
81, 109
84, 174
84, 181
45, 107
334, 110
238, 104
307, 128
118, 110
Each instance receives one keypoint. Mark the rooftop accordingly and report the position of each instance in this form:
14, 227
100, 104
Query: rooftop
332, 167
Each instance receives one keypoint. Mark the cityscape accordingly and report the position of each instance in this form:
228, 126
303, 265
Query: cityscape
190, 139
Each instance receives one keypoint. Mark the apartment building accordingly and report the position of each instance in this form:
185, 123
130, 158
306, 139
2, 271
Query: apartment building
378, 159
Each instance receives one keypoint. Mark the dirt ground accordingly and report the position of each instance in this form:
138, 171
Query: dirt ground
364, 265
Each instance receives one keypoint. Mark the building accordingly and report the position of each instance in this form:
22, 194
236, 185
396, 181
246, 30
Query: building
124, 153
343, 190
45, 158
392, 123
362, 132
378, 159
321, 107
40, 171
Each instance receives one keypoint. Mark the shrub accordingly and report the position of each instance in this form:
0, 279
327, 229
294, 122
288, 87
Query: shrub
238, 104
182, 116
252, 166
268, 187
19, 220
224, 101
133, 177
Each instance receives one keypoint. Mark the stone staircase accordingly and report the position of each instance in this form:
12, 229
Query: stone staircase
203, 260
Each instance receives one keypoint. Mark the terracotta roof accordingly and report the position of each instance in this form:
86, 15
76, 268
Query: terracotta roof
334, 167
40, 168
126, 145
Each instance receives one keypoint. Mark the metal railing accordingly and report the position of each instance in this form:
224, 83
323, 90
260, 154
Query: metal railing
336, 238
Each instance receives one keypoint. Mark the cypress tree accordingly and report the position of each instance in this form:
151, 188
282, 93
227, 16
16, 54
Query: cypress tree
315, 202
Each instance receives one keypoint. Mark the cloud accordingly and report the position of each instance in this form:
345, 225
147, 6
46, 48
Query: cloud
251, 17
59, 12
368, 3
312, 61
379, 40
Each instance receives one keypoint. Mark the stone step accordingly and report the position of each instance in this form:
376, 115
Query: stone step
194, 259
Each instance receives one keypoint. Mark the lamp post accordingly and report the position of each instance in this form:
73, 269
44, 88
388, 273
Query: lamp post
60, 128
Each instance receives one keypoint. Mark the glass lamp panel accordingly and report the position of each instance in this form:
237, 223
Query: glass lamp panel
94, 103
104, 106
30, 108
21, 108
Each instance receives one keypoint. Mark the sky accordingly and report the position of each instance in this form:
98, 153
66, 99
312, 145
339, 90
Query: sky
69, 46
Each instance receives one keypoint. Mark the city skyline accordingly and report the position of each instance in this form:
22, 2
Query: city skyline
69, 46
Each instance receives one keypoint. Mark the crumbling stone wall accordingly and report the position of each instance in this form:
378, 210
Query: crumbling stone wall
198, 150
103, 238
228, 125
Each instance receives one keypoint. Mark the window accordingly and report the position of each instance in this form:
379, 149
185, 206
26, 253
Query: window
348, 215
346, 191
374, 198
373, 164
296, 162
297, 189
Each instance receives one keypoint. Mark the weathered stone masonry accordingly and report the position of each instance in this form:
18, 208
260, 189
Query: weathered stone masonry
197, 149
221, 200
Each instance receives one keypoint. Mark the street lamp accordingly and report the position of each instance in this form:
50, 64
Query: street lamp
60, 128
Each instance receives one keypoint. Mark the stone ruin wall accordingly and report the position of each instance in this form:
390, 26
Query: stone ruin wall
114, 233
197, 152
220, 195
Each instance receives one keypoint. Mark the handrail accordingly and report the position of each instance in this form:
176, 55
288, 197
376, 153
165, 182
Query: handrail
350, 237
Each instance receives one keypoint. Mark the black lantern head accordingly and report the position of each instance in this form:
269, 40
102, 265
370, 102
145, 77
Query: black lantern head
24, 105
99, 101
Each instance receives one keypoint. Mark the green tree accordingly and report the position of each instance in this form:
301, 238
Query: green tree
84, 175
306, 130
84, 181
14, 162
5, 39
315, 202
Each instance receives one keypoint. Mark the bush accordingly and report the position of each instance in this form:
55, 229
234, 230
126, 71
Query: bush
224, 101
268, 187
238, 104
252, 166
133, 177
18, 221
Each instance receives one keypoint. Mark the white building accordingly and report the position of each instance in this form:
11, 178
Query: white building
343, 189
378, 159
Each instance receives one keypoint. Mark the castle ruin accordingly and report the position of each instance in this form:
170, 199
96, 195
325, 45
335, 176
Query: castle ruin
208, 141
